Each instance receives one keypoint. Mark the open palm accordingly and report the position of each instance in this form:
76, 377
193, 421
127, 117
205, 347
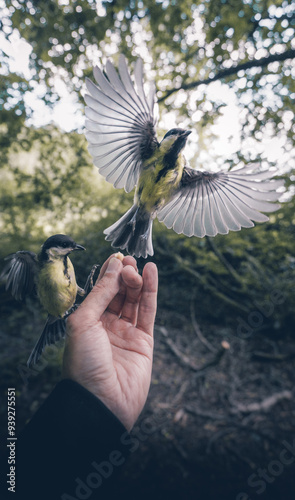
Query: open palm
109, 345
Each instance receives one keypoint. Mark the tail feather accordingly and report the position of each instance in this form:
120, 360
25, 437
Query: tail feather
132, 232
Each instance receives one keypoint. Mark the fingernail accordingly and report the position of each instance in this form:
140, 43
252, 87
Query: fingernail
113, 265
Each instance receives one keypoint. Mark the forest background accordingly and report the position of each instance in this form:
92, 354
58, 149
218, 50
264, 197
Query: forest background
223, 378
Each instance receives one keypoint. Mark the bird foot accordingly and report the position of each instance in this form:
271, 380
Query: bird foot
70, 311
89, 282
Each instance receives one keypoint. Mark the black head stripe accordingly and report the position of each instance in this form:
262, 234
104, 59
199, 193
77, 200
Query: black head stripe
59, 240
174, 131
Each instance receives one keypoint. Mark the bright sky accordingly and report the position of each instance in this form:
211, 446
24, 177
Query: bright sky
67, 113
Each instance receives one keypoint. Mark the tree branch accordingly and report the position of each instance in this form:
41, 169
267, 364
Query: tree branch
264, 61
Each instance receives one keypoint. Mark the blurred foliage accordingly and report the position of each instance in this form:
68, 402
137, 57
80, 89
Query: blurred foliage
247, 44
48, 185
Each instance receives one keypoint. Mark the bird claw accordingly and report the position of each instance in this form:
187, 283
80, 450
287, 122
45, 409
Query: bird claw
89, 282
70, 311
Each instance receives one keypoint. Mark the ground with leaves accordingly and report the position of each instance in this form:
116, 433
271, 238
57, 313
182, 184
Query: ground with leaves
219, 409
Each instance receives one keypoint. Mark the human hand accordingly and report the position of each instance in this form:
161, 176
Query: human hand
109, 344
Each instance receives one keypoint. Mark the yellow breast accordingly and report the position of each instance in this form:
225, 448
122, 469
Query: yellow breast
57, 290
156, 185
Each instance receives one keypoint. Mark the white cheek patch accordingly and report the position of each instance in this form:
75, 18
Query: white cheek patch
57, 251
167, 143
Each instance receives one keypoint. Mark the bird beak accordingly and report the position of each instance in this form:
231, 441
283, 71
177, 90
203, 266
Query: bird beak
186, 133
79, 247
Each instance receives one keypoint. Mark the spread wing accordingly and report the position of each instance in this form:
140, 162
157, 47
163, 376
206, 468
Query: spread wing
208, 203
19, 274
120, 124
54, 330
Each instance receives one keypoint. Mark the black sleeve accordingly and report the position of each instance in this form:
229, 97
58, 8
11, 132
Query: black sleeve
71, 449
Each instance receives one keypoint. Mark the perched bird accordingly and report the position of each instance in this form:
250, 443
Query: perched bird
51, 275
121, 131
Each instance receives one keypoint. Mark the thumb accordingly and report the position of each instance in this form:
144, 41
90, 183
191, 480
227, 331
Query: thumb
104, 290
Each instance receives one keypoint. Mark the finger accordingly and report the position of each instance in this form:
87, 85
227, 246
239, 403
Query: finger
127, 261
130, 261
106, 263
148, 300
119, 300
133, 282
104, 289
103, 268
117, 303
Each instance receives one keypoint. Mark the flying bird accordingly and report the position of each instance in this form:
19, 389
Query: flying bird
51, 276
121, 132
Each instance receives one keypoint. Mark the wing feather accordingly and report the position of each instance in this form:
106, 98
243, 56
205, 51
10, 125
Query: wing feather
199, 219
108, 90
249, 174
127, 82
108, 107
241, 213
19, 274
221, 226
210, 203
120, 124
138, 77
252, 201
189, 216
54, 330
180, 218
209, 221
228, 215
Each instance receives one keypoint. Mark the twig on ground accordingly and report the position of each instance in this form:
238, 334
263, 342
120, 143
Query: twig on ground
212, 362
265, 356
178, 398
184, 359
203, 413
198, 331
263, 405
